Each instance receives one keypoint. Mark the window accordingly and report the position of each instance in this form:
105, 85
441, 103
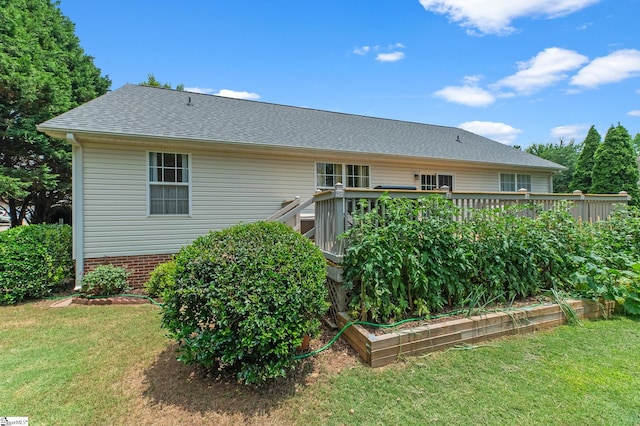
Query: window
512, 182
357, 176
328, 174
168, 183
436, 181
352, 175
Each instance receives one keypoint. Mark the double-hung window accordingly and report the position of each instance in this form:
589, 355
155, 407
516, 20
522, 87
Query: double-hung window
436, 181
351, 175
511, 182
168, 183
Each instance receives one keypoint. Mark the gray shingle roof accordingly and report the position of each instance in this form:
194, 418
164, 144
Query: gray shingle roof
162, 113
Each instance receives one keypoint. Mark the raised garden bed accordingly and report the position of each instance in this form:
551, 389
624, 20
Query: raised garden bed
379, 350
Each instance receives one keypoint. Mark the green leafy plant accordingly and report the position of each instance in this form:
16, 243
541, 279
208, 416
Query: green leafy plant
162, 280
406, 257
34, 260
413, 257
105, 280
244, 298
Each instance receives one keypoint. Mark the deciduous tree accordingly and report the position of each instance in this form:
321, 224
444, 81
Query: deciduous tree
565, 154
151, 81
636, 144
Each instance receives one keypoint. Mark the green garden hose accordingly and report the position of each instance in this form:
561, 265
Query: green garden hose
326, 346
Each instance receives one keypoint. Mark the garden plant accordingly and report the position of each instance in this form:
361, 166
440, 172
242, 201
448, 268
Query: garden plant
409, 258
105, 280
244, 298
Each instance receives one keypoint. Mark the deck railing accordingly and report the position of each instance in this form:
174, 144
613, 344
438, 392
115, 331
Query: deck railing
334, 208
289, 214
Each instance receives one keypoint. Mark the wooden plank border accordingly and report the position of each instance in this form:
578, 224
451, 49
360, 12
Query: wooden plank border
379, 350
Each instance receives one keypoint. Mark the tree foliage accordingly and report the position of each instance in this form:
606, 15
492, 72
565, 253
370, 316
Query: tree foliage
565, 154
584, 165
151, 81
636, 144
43, 73
615, 166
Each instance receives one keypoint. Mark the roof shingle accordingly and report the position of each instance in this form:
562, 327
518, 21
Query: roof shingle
154, 112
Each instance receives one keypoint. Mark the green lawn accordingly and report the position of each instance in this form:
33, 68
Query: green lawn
112, 364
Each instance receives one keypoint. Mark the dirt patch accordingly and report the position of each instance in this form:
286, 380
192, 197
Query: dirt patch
169, 392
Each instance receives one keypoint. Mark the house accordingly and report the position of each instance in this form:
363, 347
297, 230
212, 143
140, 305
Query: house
155, 168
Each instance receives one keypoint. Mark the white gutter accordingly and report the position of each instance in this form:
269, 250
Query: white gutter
77, 207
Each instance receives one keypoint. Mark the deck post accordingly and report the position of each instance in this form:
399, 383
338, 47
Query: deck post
340, 217
583, 208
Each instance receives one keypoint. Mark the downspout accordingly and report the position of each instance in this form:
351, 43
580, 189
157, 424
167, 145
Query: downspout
77, 210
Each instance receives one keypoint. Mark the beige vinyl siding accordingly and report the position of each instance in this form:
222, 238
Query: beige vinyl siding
226, 188
466, 178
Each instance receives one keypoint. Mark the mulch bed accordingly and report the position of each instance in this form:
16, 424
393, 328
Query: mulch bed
114, 300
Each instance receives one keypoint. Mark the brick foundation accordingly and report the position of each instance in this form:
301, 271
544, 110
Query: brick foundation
139, 267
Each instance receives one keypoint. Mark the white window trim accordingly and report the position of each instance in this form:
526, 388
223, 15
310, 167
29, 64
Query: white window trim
344, 173
189, 184
422, 173
515, 174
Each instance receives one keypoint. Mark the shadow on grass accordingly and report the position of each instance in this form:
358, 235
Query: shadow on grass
169, 382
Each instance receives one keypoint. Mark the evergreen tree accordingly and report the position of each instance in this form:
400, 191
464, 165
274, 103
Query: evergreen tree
581, 179
565, 154
43, 72
615, 166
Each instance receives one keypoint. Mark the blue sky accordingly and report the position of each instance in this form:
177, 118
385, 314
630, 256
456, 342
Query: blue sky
520, 72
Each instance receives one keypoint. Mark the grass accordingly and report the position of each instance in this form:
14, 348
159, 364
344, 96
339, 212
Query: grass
112, 364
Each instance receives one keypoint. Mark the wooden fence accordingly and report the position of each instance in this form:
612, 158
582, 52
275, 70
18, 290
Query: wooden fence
334, 208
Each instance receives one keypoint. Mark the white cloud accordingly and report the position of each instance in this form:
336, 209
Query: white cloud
495, 16
545, 69
390, 57
361, 50
383, 54
617, 66
204, 90
570, 131
468, 95
500, 132
584, 26
237, 95
634, 113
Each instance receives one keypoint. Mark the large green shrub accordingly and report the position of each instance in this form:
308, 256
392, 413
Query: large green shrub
34, 260
245, 297
105, 280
